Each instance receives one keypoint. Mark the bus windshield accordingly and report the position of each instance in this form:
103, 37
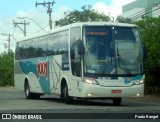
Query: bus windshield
112, 50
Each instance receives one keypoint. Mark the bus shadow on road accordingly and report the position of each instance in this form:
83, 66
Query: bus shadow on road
107, 102
93, 102
82, 102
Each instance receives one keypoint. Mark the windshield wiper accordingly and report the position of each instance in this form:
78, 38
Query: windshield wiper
121, 60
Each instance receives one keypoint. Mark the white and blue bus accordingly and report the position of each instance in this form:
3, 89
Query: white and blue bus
89, 60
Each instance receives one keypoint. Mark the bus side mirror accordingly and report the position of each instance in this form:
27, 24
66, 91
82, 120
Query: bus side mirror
81, 49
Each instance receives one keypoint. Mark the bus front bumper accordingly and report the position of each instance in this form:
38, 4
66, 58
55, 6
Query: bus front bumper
97, 91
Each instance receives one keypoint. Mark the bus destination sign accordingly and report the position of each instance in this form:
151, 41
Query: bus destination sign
96, 33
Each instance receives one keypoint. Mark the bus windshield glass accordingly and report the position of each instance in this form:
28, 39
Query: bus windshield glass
112, 50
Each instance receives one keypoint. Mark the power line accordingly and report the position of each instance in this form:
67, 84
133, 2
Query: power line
49, 11
141, 11
146, 11
23, 30
39, 30
33, 21
14, 38
9, 39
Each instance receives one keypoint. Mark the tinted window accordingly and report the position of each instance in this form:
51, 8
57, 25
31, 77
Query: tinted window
24, 50
53, 44
34, 48
75, 58
42, 48
63, 45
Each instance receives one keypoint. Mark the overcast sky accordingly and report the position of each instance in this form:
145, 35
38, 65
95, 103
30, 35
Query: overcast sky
11, 9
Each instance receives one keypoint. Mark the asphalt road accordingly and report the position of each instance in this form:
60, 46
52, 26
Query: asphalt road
51, 107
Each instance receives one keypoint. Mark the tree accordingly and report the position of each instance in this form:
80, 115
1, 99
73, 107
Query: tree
122, 19
150, 31
87, 14
7, 68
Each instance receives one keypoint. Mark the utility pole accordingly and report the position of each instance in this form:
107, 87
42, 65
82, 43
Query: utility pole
9, 39
22, 23
49, 11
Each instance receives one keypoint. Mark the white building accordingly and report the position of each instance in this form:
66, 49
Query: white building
139, 8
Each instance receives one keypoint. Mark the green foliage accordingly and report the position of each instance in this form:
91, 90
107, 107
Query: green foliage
150, 31
7, 68
123, 20
87, 14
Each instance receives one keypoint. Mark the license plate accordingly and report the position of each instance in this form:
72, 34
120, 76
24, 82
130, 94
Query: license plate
116, 91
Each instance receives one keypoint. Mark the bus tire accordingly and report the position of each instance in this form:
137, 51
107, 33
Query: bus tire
117, 101
64, 95
28, 94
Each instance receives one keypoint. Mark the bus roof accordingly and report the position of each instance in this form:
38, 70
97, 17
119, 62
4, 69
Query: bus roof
58, 29
103, 23
94, 24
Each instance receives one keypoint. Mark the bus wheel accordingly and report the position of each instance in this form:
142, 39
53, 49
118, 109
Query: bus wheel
28, 94
117, 101
65, 97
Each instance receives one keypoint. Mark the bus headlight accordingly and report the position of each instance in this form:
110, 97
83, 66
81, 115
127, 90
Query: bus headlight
91, 81
137, 82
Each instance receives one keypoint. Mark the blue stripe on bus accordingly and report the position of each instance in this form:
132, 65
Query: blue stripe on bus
130, 79
30, 65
